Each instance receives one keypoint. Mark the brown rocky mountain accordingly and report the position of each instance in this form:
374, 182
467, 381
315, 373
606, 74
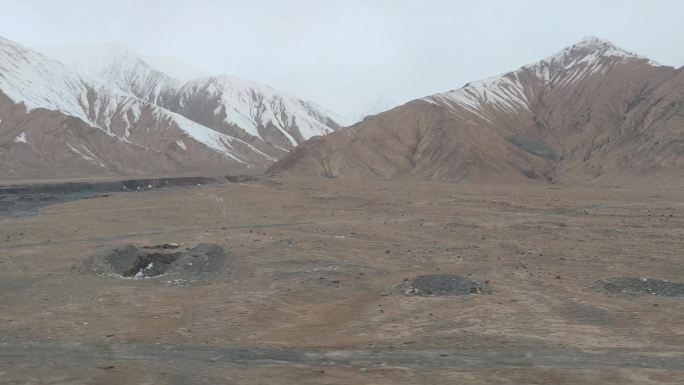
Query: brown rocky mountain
592, 113
50, 144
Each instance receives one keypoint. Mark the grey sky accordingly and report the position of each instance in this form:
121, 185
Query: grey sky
342, 53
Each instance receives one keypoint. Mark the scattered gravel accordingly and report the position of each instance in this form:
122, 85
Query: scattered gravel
640, 286
149, 262
442, 285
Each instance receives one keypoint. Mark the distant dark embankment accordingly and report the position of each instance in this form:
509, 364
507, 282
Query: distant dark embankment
103, 187
22, 200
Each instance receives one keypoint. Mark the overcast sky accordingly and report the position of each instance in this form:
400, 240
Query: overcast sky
343, 53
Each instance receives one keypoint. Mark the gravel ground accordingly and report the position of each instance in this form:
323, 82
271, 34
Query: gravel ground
640, 286
441, 285
151, 263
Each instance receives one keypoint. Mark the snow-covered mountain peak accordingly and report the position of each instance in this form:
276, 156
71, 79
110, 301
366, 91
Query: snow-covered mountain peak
594, 42
589, 56
249, 105
127, 107
591, 50
40, 82
115, 65
93, 57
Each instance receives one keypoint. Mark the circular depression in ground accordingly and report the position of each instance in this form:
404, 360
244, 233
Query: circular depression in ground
442, 285
134, 262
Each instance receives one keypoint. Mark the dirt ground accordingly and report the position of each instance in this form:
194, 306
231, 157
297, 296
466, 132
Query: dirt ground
312, 293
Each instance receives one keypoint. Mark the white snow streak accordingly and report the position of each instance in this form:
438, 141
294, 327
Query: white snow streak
90, 158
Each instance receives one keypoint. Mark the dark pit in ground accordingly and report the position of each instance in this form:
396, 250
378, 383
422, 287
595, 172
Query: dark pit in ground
640, 286
130, 261
441, 285
149, 262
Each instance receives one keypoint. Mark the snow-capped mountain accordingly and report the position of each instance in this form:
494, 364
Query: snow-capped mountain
592, 112
116, 66
272, 120
99, 109
511, 91
251, 110
56, 121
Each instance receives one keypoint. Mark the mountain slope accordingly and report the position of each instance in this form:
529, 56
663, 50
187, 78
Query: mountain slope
251, 110
54, 121
271, 120
577, 116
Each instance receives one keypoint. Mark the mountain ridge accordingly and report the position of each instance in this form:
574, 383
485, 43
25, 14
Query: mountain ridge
112, 116
247, 109
585, 107
72, 124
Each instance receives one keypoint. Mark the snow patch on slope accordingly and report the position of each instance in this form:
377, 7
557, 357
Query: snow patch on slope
250, 104
220, 142
503, 92
21, 138
89, 156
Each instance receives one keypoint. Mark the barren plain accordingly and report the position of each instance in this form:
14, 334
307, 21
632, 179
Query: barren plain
318, 284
